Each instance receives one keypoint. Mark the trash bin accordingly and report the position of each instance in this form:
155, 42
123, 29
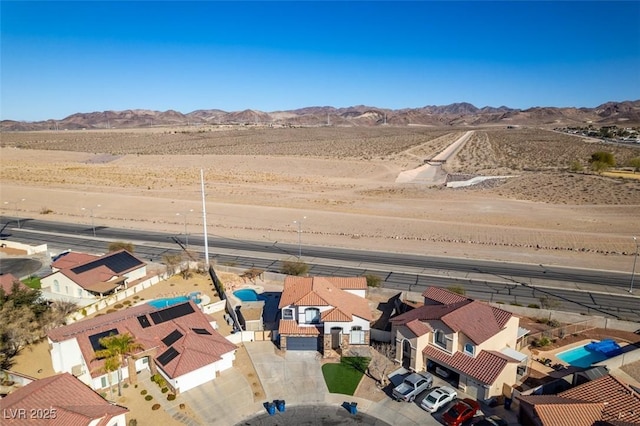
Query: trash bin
353, 408
507, 403
271, 408
280, 405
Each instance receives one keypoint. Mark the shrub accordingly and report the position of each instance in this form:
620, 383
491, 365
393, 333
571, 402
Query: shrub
126, 385
373, 280
533, 305
155, 407
165, 389
133, 422
553, 323
148, 398
127, 302
182, 406
541, 342
118, 306
576, 166
143, 392
110, 311
456, 289
294, 267
171, 397
45, 210
83, 312
516, 304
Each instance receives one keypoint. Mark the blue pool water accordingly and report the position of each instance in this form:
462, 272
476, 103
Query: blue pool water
581, 357
248, 295
170, 301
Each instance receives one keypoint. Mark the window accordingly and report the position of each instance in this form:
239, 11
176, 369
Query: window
103, 381
56, 286
312, 315
357, 335
66, 289
79, 292
469, 349
287, 314
439, 339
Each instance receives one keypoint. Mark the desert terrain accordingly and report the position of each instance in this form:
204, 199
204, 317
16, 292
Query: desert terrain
339, 182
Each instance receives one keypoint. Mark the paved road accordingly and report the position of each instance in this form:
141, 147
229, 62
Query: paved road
579, 290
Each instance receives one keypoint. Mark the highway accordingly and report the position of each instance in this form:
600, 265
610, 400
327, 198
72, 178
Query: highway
579, 290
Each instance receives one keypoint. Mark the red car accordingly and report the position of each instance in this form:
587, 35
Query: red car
461, 412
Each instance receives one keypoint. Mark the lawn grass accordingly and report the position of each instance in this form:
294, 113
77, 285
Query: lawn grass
32, 282
344, 377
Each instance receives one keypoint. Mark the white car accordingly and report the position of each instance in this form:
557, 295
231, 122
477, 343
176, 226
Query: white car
438, 398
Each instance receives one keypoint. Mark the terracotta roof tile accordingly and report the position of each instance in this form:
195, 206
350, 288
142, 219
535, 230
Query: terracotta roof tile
72, 259
75, 403
7, 280
418, 328
485, 367
443, 296
290, 327
621, 402
572, 414
335, 315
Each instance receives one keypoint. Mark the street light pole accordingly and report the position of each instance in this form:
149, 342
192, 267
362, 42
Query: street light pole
299, 222
635, 259
15, 205
186, 235
93, 226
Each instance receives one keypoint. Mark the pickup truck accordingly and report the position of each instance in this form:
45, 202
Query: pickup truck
411, 386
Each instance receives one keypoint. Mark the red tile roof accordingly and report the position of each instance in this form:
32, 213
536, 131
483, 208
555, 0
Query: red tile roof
7, 280
556, 411
72, 259
74, 402
290, 327
195, 350
485, 367
621, 402
327, 291
418, 328
443, 296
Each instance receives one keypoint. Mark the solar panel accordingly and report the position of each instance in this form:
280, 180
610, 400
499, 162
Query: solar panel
144, 321
95, 338
201, 331
166, 356
173, 337
172, 312
117, 262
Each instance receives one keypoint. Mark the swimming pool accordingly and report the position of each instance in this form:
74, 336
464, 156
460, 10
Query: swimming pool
581, 357
248, 295
170, 301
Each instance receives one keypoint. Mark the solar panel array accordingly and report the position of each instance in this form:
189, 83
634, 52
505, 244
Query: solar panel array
117, 262
144, 321
172, 312
95, 338
166, 356
172, 337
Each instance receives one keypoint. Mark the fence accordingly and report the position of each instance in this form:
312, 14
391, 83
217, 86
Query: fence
560, 332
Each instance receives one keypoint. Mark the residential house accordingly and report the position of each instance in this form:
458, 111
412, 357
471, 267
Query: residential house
468, 342
59, 400
602, 401
324, 313
7, 281
80, 275
178, 342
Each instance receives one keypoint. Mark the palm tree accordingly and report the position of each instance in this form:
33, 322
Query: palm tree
118, 346
111, 364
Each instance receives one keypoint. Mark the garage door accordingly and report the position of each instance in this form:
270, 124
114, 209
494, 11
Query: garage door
302, 343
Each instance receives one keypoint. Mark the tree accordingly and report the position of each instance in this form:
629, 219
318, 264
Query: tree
373, 280
172, 261
119, 245
295, 267
635, 163
382, 355
601, 161
111, 364
117, 346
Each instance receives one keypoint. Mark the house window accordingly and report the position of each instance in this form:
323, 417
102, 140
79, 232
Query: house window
66, 289
287, 314
312, 315
79, 292
103, 381
56, 286
357, 335
439, 339
469, 349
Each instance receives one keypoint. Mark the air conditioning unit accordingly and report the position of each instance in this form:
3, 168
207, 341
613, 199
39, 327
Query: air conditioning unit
462, 387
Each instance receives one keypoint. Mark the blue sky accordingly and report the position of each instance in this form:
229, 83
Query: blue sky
58, 58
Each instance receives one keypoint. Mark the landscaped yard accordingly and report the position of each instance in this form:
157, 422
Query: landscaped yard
33, 282
345, 376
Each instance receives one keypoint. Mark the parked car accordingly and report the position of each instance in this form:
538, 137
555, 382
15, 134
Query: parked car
491, 421
411, 386
464, 410
438, 398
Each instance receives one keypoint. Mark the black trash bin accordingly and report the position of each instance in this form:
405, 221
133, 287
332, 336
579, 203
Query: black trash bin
507, 403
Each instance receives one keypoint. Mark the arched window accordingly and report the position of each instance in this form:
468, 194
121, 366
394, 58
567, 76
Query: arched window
469, 349
56, 286
312, 315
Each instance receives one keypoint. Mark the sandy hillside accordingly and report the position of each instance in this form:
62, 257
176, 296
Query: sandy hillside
343, 182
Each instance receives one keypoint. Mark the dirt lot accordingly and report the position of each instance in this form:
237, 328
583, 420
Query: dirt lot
258, 181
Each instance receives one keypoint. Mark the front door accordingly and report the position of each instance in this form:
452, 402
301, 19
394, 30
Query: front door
406, 354
336, 333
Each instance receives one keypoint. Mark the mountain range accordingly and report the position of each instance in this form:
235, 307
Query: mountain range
622, 114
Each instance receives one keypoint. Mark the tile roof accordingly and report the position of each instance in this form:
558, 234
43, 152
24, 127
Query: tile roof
195, 350
418, 328
327, 291
443, 296
289, 327
621, 402
476, 320
72, 259
553, 410
6, 283
75, 403
485, 367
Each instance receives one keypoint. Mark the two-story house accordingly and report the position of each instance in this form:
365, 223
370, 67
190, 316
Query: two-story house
80, 275
324, 313
468, 342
